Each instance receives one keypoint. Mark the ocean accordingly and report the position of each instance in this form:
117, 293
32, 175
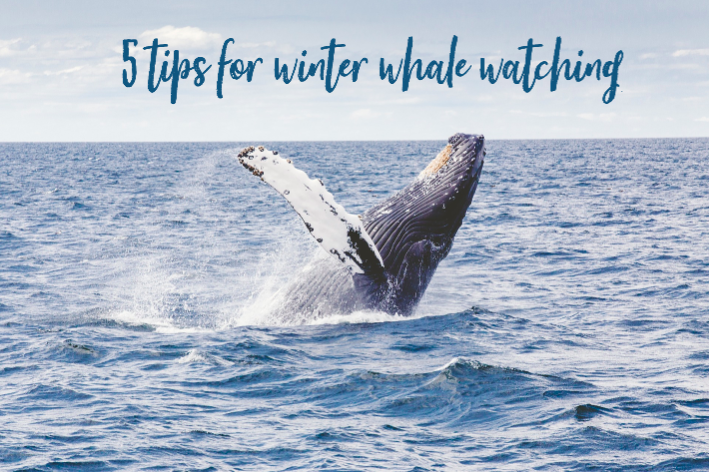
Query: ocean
567, 330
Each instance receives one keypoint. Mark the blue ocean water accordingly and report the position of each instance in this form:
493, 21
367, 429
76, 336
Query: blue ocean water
568, 329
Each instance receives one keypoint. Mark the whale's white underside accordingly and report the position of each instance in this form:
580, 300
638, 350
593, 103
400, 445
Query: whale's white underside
340, 233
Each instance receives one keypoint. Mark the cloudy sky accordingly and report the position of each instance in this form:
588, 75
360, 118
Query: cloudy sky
61, 70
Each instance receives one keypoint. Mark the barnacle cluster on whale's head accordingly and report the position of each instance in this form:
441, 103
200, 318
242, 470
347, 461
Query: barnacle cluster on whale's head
439, 161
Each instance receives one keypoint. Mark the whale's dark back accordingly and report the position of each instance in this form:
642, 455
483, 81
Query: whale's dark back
414, 229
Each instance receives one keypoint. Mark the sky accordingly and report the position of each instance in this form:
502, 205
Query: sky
61, 70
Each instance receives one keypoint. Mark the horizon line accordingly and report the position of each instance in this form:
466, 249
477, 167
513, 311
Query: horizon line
341, 140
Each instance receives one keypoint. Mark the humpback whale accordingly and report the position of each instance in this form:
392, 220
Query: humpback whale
384, 259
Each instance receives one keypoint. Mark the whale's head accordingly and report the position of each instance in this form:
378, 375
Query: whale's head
414, 229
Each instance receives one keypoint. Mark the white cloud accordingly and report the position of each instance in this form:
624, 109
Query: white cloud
364, 113
598, 117
703, 118
539, 114
9, 76
189, 36
407, 101
64, 71
8, 47
269, 44
690, 52
68, 48
649, 55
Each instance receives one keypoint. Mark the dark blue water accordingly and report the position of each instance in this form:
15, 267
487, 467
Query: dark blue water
567, 330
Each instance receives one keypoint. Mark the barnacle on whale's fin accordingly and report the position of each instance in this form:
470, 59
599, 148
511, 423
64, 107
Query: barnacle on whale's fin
340, 233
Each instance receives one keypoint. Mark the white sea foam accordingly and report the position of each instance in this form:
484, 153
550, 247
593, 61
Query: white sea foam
197, 356
363, 316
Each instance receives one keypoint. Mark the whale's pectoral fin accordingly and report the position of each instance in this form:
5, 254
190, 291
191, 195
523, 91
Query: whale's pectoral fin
338, 232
